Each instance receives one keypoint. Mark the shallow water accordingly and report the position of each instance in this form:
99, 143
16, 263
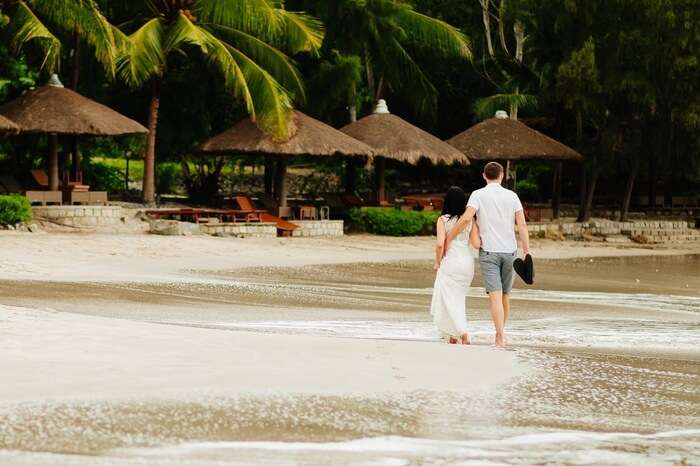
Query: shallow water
614, 374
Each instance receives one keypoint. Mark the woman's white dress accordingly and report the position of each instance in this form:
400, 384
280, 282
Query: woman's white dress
452, 282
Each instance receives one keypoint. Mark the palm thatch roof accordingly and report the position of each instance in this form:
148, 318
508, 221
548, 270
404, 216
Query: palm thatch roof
52, 109
506, 139
6, 126
394, 138
312, 137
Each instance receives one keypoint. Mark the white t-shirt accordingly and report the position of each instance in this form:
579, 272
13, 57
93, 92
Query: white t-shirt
495, 212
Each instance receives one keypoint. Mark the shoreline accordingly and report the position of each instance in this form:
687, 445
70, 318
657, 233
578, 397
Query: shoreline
94, 257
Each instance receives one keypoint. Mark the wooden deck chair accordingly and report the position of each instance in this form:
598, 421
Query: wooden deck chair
284, 228
9, 185
246, 210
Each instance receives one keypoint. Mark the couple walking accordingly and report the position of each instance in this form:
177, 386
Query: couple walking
486, 222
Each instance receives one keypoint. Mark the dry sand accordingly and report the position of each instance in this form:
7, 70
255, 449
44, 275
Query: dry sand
149, 258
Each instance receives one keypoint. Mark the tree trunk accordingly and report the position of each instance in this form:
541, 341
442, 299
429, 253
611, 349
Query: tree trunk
582, 179
556, 190
269, 175
149, 165
77, 172
653, 177
53, 163
624, 210
351, 164
486, 18
588, 208
670, 165
370, 75
281, 181
501, 27
379, 169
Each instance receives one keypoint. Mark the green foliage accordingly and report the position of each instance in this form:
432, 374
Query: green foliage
577, 78
169, 178
392, 222
102, 177
14, 209
527, 190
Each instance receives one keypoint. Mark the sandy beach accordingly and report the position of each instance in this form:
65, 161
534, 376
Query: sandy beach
326, 345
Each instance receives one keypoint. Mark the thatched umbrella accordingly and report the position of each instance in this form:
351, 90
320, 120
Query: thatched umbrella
7, 127
56, 111
503, 138
391, 137
312, 137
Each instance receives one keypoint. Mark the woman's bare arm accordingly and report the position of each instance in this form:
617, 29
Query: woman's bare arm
461, 225
439, 243
474, 238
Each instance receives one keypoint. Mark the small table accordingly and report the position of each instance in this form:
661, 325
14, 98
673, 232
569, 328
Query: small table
305, 212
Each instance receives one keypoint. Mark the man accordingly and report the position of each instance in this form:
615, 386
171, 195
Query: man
497, 209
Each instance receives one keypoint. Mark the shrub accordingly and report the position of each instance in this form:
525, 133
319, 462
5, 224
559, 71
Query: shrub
14, 209
392, 222
527, 190
168, 178
103, 177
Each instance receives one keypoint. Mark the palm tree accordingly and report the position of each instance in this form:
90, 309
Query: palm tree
44, 22
241, 41
386, 34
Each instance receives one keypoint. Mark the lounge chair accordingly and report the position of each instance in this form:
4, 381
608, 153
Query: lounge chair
246, 211
8, 185
76, 192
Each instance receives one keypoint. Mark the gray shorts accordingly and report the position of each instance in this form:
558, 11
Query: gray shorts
497, 270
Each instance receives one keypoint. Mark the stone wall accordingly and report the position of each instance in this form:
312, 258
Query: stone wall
80, 216
240, 230
648, 231
312, 228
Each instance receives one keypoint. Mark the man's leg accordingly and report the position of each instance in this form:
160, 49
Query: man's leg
506, 308
497, 315
507, 278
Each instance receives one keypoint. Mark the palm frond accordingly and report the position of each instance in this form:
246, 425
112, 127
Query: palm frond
259, 17
486, 107
183, 32
406, 75
279, 65
273, 106
84, 18
143, 56
302, 33
441, 37
26, 27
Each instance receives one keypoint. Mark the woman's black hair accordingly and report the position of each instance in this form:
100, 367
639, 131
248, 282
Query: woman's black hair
455, 202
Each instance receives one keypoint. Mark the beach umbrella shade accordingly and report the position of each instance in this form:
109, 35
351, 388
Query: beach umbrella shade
394, 138
56, 111
311, 137
503, 138
7, 127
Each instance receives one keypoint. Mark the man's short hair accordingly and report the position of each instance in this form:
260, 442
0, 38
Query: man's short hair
493, 170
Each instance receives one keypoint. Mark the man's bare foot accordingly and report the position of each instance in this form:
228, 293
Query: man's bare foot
452, 341
466, 340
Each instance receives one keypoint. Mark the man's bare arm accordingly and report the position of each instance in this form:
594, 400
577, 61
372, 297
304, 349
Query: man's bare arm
461, 224
523, 234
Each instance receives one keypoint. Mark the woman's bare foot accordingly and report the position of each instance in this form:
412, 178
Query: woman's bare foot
500, 340
452, 341
466, 340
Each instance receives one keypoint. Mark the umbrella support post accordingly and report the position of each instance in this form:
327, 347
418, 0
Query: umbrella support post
269, 175
53, 162
281, 181
556, 190
379, 169
76, 171
350, 176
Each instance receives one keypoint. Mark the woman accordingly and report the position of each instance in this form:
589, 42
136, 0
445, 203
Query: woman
454, 271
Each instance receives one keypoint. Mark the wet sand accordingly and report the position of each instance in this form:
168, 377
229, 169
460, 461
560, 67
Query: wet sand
176, 356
